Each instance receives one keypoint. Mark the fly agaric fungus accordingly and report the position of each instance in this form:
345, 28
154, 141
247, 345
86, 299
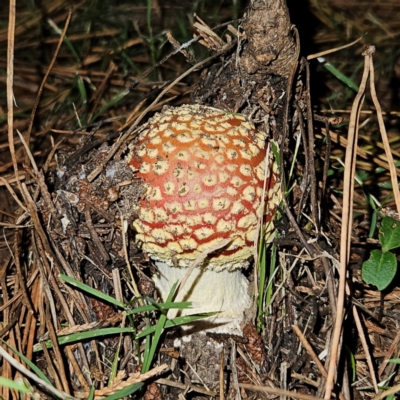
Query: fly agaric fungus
204, 174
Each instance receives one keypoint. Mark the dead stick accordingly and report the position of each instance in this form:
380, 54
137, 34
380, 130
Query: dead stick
345, 237
312, 354
365, 347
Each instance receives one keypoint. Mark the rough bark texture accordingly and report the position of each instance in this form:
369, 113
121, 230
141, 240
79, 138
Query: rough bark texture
253, 79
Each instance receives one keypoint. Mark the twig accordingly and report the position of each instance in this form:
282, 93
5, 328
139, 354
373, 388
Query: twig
131, 130
13, 194
324, 53
19, 294
303, 378
182, 47
94, 235
367, 155
327, 158
288, 212
31, 326
29, 155
221, 375
10, 88
306, 175
234, 370
364, 112
330, 279
182, 386
278, 392
347, 213
311, 169
42, 327
389, 353
310, 350
44, 268
386, 145
40, 91
200, 259
312, 354
388, 392
31, 375
21, 276
124, 225
284, 379
365, 347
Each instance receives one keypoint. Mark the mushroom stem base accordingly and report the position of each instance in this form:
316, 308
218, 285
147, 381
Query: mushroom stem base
224, 291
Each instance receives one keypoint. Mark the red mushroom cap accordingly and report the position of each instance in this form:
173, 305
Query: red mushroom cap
203, 170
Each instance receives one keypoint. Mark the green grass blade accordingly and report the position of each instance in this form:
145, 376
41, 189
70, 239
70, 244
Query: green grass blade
146, 353
374, 221
76, 337
92, 291
114, 366
159, 307
159, 329
272, 269
66, 40
276, 151
29, 363
83, 94
91, 393
125, 392
149, 28
339, 75
294, 162
352, 363
112, 102
262, 270
187, 319
15, 385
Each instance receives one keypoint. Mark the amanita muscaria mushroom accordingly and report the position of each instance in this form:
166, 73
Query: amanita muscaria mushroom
204, 171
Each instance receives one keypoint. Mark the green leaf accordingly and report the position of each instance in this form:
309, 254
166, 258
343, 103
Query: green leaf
380, 269
16, 385
363, 175
389, 234
342, 77
385, 185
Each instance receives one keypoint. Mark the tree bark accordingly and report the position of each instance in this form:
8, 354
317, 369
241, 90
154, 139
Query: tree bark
253, 78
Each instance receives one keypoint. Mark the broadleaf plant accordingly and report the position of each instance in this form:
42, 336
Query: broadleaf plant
381, 267
389, 234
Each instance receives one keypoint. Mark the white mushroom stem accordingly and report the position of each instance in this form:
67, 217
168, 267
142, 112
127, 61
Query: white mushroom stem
209, 290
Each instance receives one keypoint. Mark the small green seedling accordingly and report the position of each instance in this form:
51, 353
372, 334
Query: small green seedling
381, 267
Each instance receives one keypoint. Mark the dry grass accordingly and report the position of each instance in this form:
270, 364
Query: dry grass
104, 74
